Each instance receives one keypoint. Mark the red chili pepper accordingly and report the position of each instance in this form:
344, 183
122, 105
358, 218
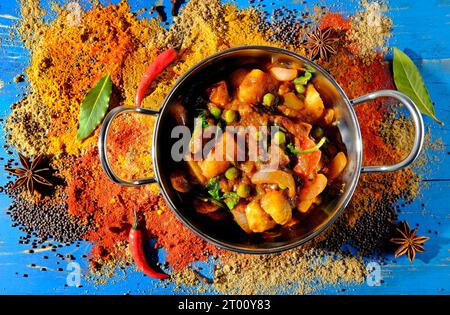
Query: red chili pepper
137, 252
161, 62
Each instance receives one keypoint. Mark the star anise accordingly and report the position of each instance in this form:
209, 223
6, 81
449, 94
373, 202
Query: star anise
322, 43
409, 242
29, 174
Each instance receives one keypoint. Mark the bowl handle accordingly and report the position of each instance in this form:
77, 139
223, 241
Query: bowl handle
102, 145
418, 134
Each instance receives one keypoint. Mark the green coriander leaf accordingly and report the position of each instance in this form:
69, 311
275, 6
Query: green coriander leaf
213, 188
315, 148
203, 114
408, 80
94, 107
292, 149
231, 199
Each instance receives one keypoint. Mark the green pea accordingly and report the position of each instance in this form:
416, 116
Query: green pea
300, 81
300, 88
243, 190
215, 111
303, 80
232, 173
268, 99
230, 115
310, 69
281, 186
279, 137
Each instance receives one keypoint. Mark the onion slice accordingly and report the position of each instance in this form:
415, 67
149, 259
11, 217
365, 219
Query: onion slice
283, 74
270, 176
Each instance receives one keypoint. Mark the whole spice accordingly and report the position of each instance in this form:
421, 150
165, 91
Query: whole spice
137, 252
29, 175
409, 242
322, 43
161, 62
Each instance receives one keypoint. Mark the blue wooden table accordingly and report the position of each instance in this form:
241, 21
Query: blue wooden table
422, 27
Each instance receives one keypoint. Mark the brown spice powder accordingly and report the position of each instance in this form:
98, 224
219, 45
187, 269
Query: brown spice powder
298, 271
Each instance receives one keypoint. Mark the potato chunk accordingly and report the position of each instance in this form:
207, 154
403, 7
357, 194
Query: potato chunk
293, 102
313, 103
313, 188
305, 205
254, 86
218, 94
213, 166
258, 220
337, 165
277, 206
196, 172
218, 159
238, 76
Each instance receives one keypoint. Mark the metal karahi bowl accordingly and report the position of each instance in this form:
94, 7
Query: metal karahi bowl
226, 234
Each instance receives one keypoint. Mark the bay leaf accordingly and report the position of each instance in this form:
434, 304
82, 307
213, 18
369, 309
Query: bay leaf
409, 81
94, 107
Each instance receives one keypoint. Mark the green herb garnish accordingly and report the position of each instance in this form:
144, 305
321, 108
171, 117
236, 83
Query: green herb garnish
293, 150
203, 115
231, 199
93, 107
213, 188
408, 80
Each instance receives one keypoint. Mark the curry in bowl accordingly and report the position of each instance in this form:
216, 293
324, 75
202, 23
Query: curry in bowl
264, 149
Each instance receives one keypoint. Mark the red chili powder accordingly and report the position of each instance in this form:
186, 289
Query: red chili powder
358, 79
108, 207
182, 246
335, 20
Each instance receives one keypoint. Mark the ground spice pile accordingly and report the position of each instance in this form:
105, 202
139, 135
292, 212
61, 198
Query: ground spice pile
67, 59
369, 30
28, 125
